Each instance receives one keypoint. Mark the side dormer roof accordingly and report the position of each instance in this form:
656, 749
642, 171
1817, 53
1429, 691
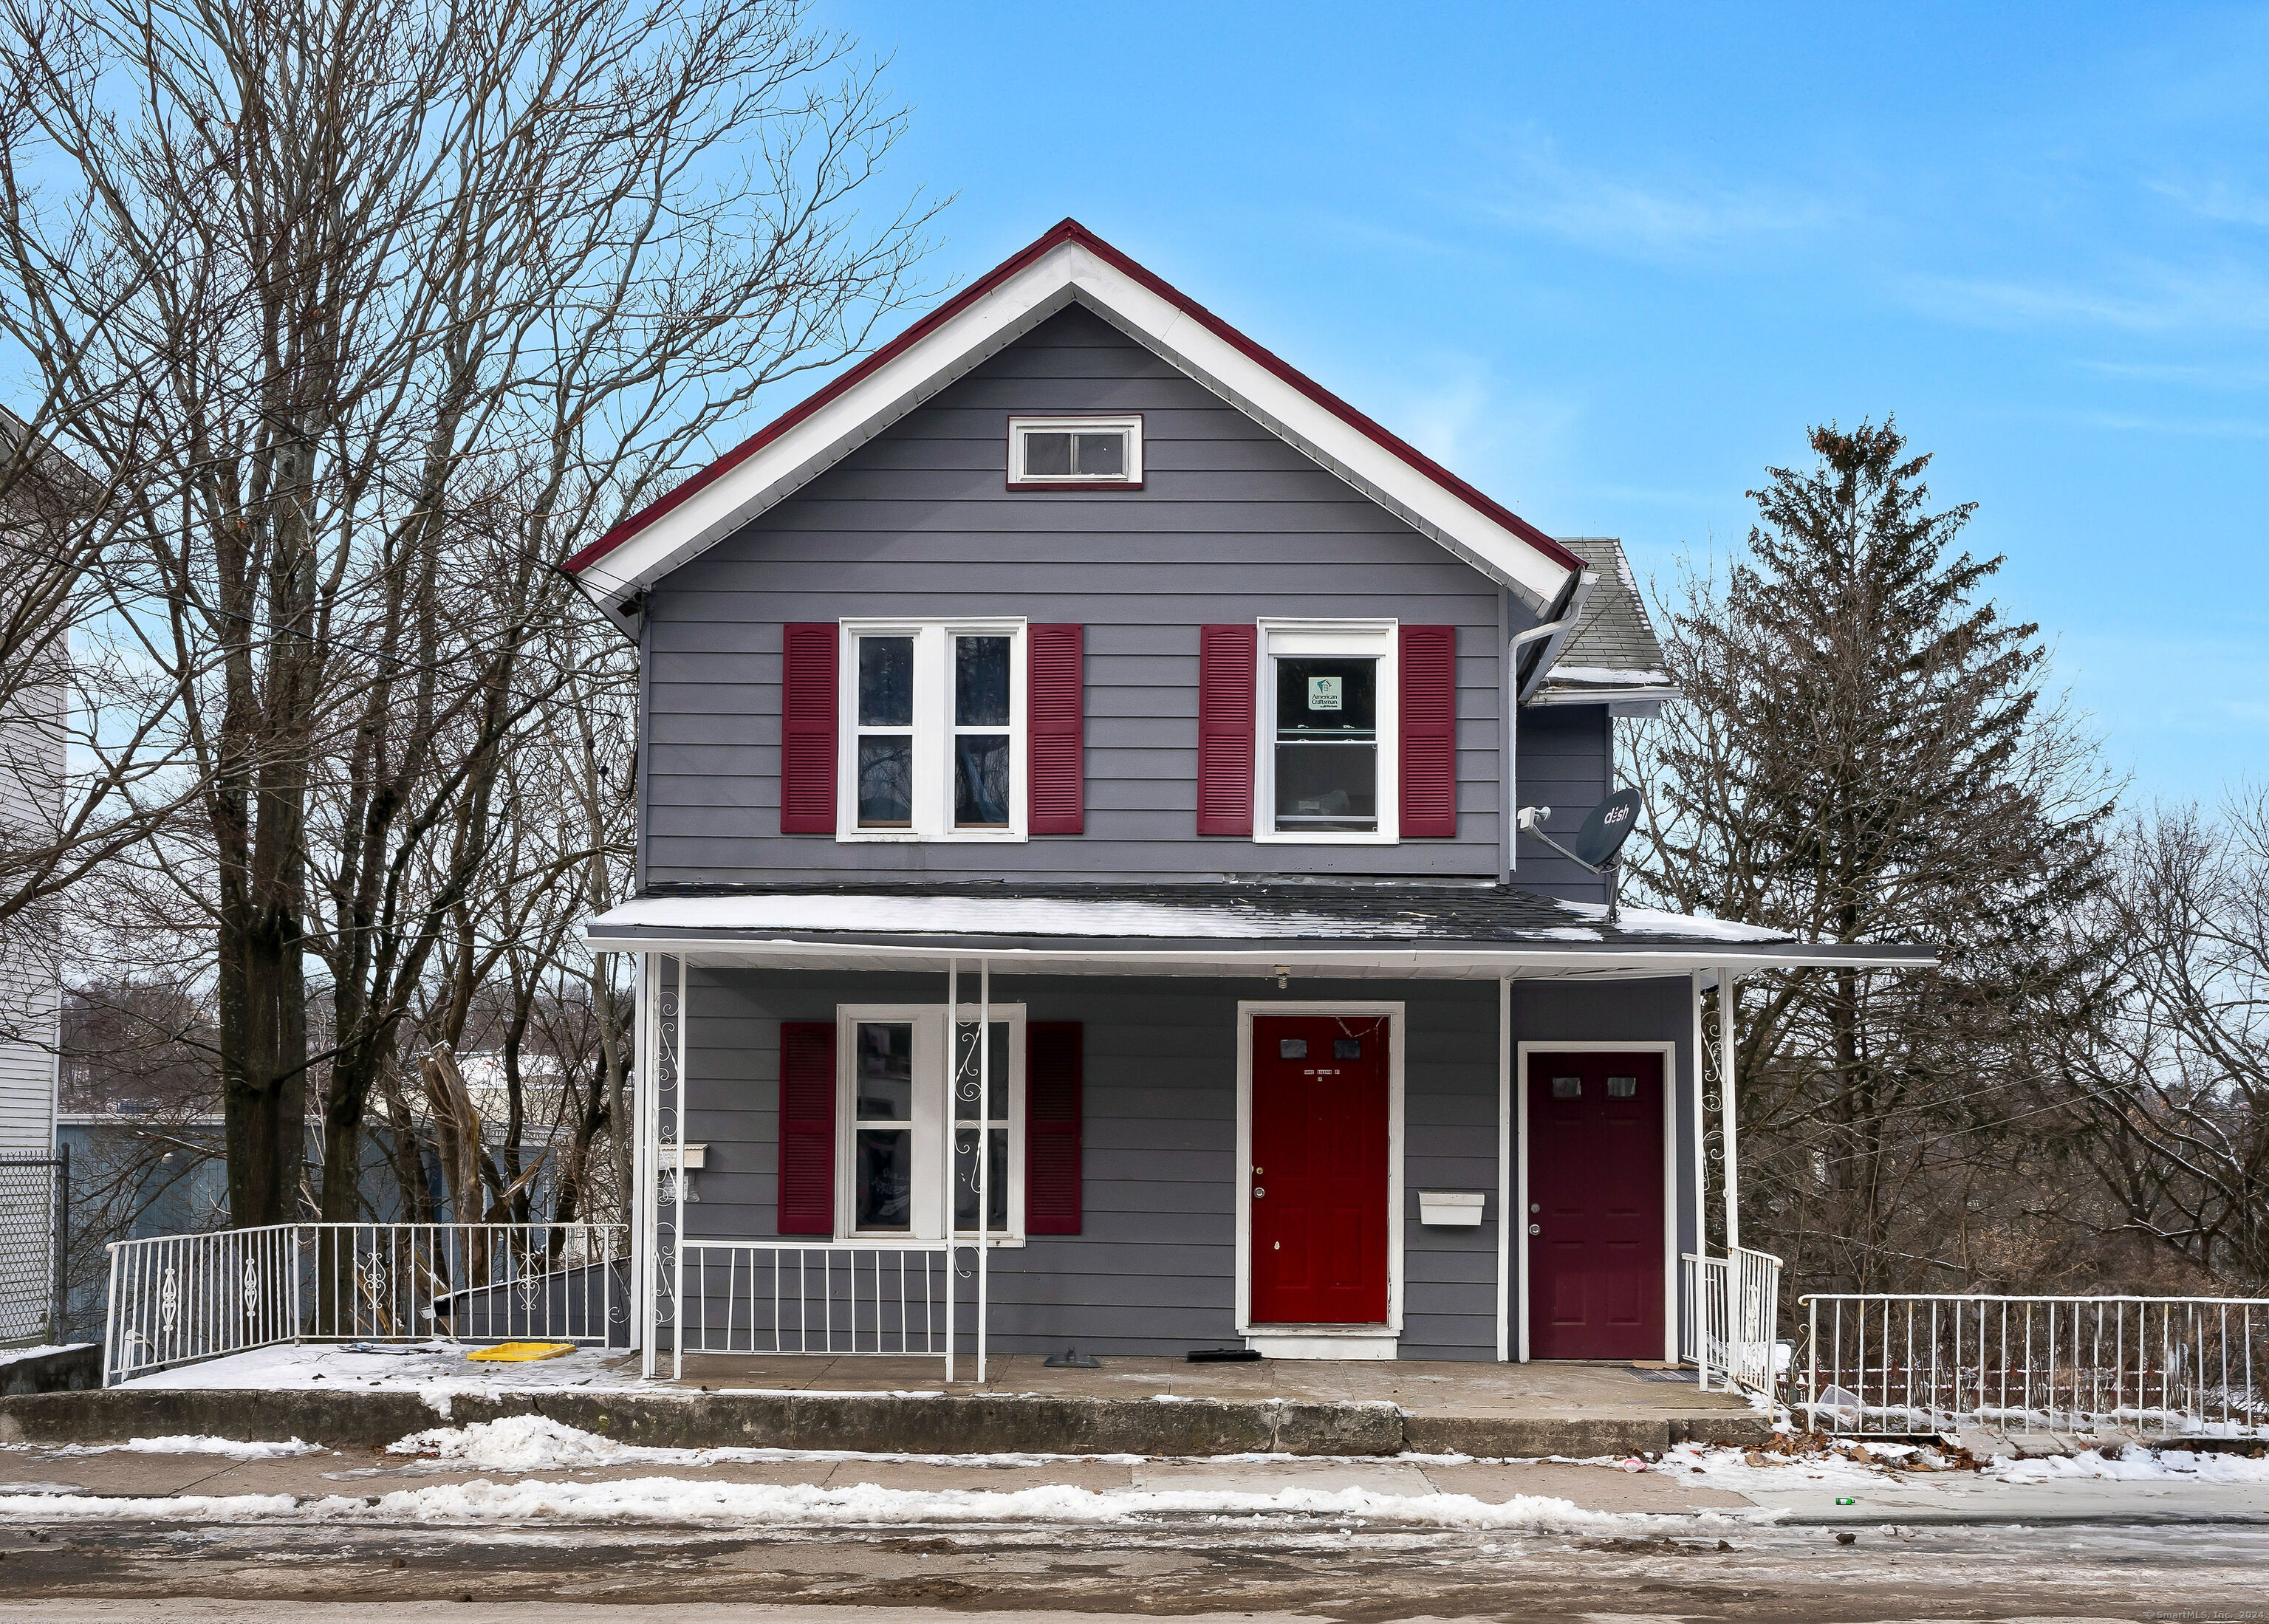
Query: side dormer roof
1612, 656
1068, 265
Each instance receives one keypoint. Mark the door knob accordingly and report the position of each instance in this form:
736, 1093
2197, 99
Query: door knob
1536, 1228
1257, 1194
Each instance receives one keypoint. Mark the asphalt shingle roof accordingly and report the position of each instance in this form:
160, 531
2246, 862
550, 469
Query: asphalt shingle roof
1614, 634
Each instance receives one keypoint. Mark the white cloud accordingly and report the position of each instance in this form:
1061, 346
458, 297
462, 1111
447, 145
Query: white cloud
1658, 218
2147, 298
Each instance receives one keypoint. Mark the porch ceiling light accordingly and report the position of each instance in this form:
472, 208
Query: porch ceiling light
1284, 976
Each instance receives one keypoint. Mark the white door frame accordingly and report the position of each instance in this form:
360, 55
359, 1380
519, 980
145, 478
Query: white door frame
1320, 1341
1522, 1218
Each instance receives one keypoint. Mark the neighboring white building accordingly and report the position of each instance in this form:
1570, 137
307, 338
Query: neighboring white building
33, 760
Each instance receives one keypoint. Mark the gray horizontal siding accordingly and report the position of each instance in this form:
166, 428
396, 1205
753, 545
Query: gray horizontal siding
1153, 1270
1232, 524
1563, 758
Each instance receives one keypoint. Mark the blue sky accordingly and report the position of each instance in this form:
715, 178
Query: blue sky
1608, 263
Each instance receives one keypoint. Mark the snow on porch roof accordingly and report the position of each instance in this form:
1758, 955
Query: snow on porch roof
1419, 929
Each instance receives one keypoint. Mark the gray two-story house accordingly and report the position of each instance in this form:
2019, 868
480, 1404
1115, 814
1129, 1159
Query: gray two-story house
1076, 672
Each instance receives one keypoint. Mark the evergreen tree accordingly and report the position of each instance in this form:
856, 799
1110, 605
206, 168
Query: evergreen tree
1864, 753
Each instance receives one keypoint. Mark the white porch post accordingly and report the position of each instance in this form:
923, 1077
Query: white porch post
678, 1192
645, 1189
1504, 1215
1726, 1107
984, 1143
946, 1116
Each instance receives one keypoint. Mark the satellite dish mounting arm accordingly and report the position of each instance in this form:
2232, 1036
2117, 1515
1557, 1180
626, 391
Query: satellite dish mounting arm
1599, 843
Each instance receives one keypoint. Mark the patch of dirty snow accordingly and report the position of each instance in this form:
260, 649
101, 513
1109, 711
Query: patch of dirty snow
193, 1444
676, 1500
2134, 1465
9, 1355
538, 1443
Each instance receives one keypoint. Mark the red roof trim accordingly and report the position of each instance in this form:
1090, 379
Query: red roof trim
1072, 230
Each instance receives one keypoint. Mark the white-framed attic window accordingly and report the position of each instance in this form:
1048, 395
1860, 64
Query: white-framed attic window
934, 723
1076, 453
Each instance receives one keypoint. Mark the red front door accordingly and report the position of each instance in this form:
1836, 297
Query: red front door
1595, 1246
1319, 1173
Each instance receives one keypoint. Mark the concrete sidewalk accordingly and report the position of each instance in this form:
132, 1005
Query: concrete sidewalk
1798, 1493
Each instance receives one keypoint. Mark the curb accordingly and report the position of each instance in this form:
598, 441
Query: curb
879, 1423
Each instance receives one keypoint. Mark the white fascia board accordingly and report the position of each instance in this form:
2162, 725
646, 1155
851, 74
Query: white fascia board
1003, 314
1509, 559
817, 443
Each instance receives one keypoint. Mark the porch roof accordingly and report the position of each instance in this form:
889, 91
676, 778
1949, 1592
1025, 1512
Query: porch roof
1213, 928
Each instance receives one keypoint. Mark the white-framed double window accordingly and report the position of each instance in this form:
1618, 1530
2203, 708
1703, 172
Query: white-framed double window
890, 1117
1327, 771
933, 725
1085, 452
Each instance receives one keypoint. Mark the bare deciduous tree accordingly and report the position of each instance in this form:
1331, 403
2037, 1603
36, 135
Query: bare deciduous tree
372, 309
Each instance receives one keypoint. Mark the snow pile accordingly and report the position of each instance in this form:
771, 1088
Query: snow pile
2134, 1465
193, 1444
677, 1500
538, 1443
231, 1447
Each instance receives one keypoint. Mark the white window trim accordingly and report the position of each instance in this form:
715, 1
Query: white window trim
1379, 639
933, 727
1319, 1341
1018, 427
1521, 1216
928, 1022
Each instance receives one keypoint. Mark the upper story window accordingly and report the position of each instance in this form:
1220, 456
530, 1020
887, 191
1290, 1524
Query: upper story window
1077, 453
1328, 766
933, 715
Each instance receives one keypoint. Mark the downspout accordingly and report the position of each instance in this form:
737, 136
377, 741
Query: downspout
1554, 633
1566, 609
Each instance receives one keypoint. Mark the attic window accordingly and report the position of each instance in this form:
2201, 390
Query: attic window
1075, 454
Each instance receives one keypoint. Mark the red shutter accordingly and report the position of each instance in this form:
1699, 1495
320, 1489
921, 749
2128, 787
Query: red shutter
1226, 655
1429, 726
807, 1127
1052, 1200
807, 714
1055, 784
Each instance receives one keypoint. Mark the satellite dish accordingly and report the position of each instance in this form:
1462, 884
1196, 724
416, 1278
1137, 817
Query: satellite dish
1603, 833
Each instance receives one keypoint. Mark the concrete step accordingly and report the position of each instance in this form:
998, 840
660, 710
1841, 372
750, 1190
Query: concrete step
981, 1423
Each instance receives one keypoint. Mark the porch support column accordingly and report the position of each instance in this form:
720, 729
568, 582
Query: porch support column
1504, 1215
947, 1116
644, 1194
678, 1192
984, 1145
1726, 1107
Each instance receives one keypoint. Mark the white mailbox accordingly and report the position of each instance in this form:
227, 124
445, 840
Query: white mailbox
1451, 1206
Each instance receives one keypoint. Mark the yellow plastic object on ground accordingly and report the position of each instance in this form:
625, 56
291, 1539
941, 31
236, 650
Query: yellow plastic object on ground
520, 1353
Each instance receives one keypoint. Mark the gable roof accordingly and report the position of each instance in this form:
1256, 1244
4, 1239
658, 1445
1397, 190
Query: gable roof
1613, 653
1068, 265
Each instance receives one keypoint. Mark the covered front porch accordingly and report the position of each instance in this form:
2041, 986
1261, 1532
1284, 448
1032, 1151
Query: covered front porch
1491, 1123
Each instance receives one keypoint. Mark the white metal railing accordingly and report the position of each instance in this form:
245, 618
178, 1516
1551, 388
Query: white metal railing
814, 1297
1878, 1364
1729, 1318
175, 1299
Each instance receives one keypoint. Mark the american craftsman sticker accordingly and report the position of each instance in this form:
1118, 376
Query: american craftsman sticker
1323, 693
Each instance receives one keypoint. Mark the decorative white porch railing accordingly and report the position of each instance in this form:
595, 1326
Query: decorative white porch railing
1729, 1318
1879, 1365
814, 1297
176, 1299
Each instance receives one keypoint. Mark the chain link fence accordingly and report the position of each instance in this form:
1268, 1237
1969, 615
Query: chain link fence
34, 1235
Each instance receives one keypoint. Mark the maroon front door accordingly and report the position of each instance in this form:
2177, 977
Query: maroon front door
1319, 1173
1595, 1214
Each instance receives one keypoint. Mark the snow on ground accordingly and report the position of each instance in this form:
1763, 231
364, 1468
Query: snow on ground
2134, 1465
678, 1500
435, 1369
538, 1443
189, 1444
9, 1355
